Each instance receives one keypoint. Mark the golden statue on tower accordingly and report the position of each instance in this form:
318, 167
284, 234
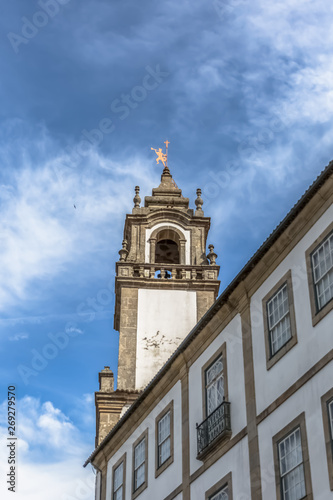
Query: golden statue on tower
163, 157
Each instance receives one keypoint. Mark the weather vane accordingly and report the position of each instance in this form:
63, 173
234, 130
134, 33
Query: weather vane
163, 157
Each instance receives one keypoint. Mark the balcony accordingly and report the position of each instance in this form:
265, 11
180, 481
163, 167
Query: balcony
215, 428
165, 272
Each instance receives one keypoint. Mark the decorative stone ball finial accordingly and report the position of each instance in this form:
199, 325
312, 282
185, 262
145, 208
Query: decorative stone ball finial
212, 255
123, 252
199, 201
137, 199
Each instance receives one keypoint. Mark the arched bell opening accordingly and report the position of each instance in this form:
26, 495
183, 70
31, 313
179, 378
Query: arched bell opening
167, 246
166, 252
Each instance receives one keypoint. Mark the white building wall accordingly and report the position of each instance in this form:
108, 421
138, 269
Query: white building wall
185, 232
235, 461
98, 486
171, 478
165, 317
232, 335
307, 399
313, 343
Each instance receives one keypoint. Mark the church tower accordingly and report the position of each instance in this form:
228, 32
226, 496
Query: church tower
165, 283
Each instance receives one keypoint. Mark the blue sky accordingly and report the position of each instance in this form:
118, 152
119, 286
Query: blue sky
243, 92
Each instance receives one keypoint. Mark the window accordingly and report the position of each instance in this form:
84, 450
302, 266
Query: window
322, 268
164, 439
291, 466
221, 490
279, 320
167, 252
216, 423
140, 462
220, 495
118, 484
293, 478
327, 408
330, 416
319, 259
214, 383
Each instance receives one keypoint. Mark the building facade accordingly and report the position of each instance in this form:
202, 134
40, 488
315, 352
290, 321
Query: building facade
243, 406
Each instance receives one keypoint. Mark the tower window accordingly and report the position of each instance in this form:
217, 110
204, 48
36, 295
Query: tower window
167, 252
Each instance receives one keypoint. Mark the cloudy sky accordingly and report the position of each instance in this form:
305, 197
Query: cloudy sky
243, 92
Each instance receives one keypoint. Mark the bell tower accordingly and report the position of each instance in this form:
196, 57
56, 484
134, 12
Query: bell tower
165, 283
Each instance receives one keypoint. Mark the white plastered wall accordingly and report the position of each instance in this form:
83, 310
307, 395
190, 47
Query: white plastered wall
185, 232
313, 343
236, 461
171, 478
165, 317
307, 399
232, 335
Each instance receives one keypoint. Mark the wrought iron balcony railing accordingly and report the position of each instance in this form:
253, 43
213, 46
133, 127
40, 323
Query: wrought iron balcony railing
216, 425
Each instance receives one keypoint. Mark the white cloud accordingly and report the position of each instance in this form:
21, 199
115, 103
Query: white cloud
50, 454
19, 336
299, 37
42, 233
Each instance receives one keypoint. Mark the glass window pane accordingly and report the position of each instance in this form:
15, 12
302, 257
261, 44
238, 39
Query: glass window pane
164, 428
139, 463
139, 476
221, 494
278, 316
164, 451
322, 265
214, 385
330, 416
291, 466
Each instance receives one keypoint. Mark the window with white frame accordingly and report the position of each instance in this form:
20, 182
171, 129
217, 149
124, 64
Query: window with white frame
214, 385
164, 438
278, 318
118, 482
222, 494
291, 466
322, 269
140, 464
